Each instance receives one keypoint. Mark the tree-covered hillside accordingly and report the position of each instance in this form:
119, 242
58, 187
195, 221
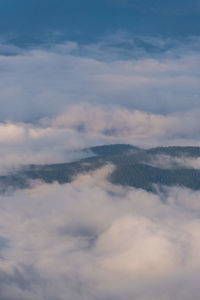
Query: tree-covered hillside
133, 167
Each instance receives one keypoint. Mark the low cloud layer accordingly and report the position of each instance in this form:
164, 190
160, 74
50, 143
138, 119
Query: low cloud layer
93, 240
152, 75
90, 239
65, 97
61, 139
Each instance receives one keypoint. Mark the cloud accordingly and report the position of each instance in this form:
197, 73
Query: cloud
61, 139
118, 71
93, 240
169, 162
90, 239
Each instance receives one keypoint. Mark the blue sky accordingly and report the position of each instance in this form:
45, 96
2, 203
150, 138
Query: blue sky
88, 20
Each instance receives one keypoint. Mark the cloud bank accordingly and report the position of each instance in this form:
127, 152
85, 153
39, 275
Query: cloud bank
65, 97
119, 71
93, 240
61, 139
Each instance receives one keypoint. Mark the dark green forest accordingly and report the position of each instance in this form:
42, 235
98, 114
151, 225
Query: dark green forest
132, 168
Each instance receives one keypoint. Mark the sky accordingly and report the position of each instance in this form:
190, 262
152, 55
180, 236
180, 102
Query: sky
87, 20
81, 73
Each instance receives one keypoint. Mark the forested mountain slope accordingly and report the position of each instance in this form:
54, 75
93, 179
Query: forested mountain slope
140, 168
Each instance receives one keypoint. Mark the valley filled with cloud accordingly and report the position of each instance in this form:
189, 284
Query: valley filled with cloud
91, 239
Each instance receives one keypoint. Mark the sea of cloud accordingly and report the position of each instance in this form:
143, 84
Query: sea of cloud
90, 239
151, 75
93, 240
80, 126
63, 97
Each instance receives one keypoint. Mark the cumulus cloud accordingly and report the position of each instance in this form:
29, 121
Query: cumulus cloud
93, 240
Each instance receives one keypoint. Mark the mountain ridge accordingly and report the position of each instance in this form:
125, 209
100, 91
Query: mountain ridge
132, 168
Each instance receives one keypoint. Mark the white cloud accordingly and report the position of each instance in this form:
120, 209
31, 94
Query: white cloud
93, 240
40, 82
169, 162
81, 126
90, 239
95, 94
